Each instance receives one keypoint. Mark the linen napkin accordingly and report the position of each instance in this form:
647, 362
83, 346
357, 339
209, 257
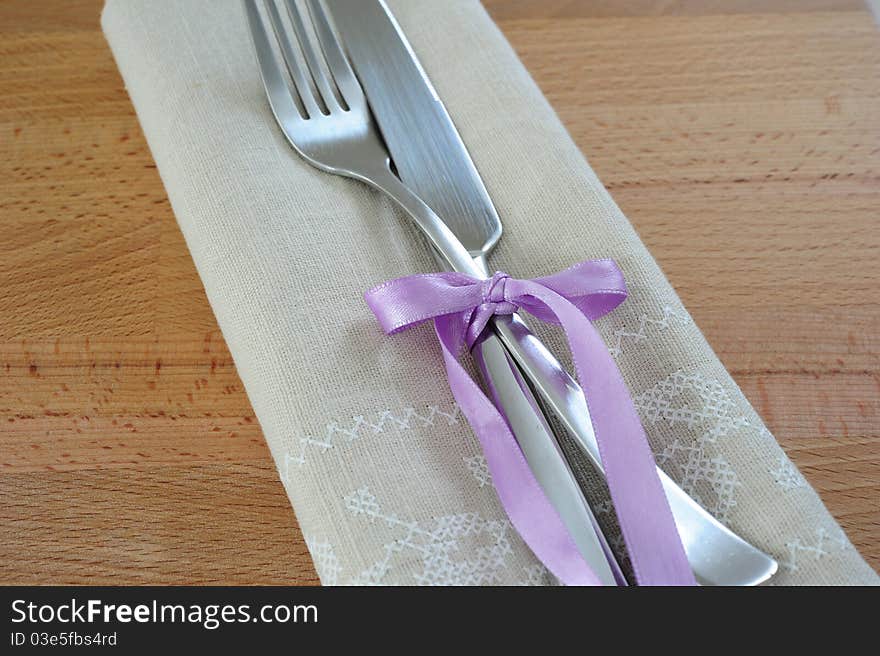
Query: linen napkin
385, 476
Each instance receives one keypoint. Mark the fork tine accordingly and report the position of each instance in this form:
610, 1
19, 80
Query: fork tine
346, 81
312, 59
293, 67
279, 91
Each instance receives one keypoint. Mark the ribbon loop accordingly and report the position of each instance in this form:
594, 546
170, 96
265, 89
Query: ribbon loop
461, 307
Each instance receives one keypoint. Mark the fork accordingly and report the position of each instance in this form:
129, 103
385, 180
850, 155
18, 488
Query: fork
337, 134
325, 117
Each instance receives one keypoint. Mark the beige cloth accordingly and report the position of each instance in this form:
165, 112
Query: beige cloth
385, 476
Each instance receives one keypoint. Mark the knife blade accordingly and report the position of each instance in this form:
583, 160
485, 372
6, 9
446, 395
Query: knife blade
431, 158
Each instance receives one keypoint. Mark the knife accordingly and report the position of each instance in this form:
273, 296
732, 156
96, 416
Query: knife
513, 397
432, 160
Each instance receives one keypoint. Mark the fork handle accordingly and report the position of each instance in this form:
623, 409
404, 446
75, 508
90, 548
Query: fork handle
717, 555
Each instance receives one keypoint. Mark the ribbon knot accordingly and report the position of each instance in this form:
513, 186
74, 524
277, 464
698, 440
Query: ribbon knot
494, 300
461, 306
494, 291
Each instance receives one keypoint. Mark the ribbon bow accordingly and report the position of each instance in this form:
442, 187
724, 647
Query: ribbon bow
461, 306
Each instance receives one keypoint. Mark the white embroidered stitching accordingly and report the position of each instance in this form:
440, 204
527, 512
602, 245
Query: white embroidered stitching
819, 548
698, 467
478, 563
787, 475
536, 575
478, 466
715, 416
326, 563
717, 411
405, 419
640, 334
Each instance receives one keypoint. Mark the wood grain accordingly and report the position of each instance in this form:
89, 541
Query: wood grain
742, 143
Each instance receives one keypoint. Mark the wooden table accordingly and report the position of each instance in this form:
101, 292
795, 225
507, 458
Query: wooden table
741, 138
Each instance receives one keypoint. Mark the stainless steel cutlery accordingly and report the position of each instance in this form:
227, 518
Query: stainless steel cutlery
329, 121
338, 134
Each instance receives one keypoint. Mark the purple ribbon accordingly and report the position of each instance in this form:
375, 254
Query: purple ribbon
461, 306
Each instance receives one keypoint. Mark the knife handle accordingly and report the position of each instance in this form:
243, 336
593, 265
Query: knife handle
539, 446
514, 399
